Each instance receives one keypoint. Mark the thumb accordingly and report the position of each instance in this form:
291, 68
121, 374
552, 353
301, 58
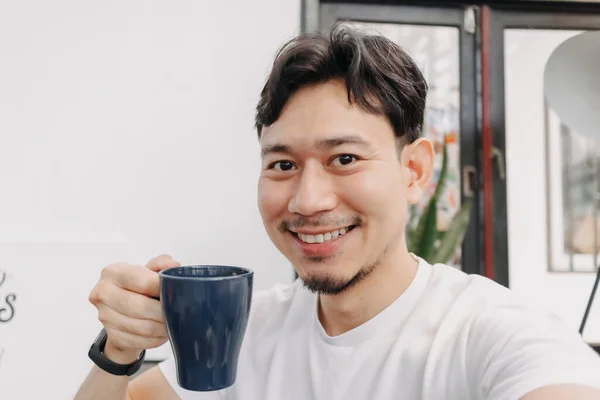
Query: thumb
161, 262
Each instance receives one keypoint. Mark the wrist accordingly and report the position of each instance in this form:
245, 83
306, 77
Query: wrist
120, 356
113, 360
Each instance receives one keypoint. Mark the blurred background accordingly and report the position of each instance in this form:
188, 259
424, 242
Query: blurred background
126, 131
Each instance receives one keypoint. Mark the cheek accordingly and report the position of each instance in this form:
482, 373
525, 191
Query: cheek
375, 194
272, 199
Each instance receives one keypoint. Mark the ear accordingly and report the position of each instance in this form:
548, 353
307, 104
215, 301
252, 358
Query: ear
418, 158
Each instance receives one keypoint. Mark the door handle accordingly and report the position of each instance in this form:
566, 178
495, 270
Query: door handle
469, 179
499, 158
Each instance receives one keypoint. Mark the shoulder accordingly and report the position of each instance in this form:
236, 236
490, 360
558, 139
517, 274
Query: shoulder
510, 346
514, 347
467, 293
451, 298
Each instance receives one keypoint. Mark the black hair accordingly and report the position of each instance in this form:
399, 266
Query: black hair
380, 77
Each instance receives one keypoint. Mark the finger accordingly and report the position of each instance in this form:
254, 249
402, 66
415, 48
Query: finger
139, 327
131, 304
126, 340
134, 278
161, 262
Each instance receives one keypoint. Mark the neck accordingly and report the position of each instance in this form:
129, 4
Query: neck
343, 312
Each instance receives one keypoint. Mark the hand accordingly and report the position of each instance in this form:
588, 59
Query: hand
132, 318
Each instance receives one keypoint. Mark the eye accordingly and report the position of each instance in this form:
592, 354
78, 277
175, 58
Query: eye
282, 166
344, 159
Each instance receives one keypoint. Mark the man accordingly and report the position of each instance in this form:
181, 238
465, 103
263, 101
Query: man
339, 123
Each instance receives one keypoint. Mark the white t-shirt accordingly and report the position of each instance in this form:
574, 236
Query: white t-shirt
448, 336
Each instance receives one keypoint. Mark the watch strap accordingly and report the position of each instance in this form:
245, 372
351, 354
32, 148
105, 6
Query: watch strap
96, 354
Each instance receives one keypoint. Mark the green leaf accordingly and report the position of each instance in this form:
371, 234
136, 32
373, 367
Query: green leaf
417, 233
410, 243
429, 231
455, 234
411, 228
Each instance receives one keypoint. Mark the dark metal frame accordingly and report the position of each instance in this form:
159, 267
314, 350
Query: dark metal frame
469, 135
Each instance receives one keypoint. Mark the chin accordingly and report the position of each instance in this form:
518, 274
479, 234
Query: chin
329, 283
325, 283
317, 280
323, 267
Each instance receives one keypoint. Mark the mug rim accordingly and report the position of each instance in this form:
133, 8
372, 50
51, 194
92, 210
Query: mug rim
164, 273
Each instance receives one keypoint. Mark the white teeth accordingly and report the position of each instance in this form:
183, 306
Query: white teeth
322, 237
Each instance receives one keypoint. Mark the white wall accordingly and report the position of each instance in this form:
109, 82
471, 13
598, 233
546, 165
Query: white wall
125, 132
566, 294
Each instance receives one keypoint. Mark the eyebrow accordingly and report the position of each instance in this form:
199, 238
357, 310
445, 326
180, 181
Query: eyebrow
342, 140
275, 148
328, 143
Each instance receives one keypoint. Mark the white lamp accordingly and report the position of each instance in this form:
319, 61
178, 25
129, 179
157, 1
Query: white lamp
572, 89
572, 83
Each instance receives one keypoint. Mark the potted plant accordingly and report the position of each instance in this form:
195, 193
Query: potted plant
423, 237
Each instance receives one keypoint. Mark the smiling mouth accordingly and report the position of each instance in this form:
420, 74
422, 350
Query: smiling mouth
323, 237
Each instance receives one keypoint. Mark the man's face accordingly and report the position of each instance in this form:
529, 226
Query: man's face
333, 191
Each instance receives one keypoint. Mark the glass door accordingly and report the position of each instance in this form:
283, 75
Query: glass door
442, 42
551, 169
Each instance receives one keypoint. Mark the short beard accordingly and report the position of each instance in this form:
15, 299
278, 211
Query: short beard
332, 285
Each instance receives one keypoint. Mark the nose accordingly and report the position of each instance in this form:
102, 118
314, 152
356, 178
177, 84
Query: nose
314, 193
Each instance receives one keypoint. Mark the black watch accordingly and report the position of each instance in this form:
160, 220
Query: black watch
96, 354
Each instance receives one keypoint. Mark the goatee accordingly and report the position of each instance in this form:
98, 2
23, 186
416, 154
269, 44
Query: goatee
332, 285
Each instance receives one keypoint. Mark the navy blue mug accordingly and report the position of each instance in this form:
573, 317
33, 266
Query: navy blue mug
206, 310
